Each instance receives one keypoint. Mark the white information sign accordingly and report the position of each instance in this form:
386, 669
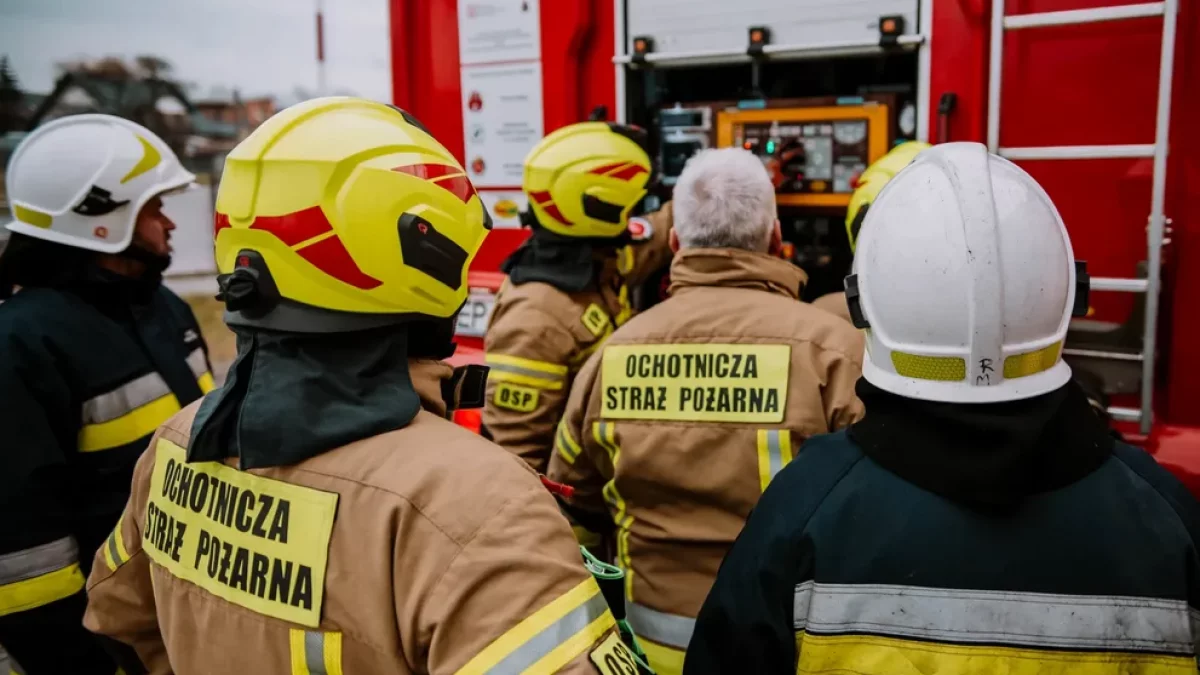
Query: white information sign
475, 314
502, 120
498, 30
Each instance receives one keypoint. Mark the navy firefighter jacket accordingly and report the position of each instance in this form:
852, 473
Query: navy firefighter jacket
1014, 538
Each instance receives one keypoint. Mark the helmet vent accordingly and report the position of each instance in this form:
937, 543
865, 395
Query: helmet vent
430, 251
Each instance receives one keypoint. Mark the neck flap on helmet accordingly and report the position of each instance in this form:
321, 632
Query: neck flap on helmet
289, 396
570, 264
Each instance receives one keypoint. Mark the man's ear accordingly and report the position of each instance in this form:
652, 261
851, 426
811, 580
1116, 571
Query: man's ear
674, 241
776, 245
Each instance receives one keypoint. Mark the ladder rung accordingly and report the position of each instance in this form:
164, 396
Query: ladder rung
1079, 152
1119, 285
1097, 354
1125, 414
1078, 16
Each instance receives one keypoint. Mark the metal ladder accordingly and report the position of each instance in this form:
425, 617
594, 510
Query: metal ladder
1154, 233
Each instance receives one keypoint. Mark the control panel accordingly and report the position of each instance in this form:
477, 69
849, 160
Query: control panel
813, 154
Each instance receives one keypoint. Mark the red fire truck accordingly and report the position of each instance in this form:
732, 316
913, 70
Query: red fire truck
1095, 98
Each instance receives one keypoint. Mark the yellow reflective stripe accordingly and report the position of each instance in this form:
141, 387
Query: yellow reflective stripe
120, 538
567, 447
605, 434
41, 590
626, 311
550, 638
296, 648
625, 259
774, 452
109, 561
150, 159
315, 652
663, 660
32, 216
115, 553
539, 374
206, 383
1031, 363
868, 655
528, 364
127, 428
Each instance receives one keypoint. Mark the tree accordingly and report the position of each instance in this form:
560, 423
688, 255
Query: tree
11, 98
153, 67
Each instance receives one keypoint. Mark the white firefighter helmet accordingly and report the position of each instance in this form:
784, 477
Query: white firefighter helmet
965, 280
81, 180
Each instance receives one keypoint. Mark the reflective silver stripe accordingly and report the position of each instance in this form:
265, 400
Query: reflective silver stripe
113, 550
671, 630
314, 652
1037, 620
538, 646
39, 560
125, 398
528, 372
197, 362
774, 452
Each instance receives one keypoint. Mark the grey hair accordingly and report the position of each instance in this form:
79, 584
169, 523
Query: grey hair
725, 199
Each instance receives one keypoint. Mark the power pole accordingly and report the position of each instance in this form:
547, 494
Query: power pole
320, 49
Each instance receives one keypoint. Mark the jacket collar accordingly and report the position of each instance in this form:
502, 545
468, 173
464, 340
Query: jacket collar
989, 457
734, 268
289, 397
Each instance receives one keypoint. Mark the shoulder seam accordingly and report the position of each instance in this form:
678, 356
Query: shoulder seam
1170, 502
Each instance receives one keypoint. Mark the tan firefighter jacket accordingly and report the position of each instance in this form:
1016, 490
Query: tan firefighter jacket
687, 413
539, 336
423, 550
835, 304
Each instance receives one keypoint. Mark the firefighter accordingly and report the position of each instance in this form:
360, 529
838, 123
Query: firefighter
869, 184
309, 516
980, 518
686, 414
568, 285
94, 354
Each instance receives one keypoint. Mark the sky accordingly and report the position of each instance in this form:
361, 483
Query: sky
259, 47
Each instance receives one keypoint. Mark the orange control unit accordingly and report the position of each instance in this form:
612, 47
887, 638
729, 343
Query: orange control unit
814, 155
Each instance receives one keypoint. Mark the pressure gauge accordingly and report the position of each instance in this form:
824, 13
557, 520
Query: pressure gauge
908, 119
850, 133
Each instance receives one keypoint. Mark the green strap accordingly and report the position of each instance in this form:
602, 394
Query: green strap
611, 578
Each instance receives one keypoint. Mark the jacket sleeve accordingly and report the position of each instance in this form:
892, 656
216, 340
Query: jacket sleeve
41, 580
517, 598
842, 370
120, 595
649, 256
574, 461
529, 354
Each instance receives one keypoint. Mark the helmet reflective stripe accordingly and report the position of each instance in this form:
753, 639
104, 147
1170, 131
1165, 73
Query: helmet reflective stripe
81, 180
966, 277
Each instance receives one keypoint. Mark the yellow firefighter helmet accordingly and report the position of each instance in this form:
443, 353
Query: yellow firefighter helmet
871, 182
348, 206
582, 180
